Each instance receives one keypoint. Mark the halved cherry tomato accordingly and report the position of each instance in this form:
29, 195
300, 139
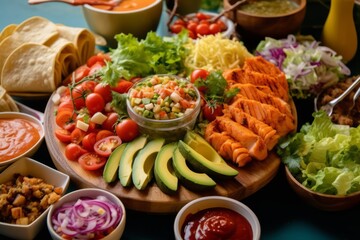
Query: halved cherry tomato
94, 103
89, 141
65, 118
127, 130
122, 86
103, 134
91, 161
79, 74
63, 135
104, 90
105, 146
77, 135
73, 151
68, 105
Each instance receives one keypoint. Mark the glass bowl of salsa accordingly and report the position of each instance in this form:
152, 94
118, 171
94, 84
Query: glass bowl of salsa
20, 136
164, 106
216, 217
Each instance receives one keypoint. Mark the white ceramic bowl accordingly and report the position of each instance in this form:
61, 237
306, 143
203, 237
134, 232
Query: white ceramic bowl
26, 167
109, 23
92, 193
31, 150
212, 202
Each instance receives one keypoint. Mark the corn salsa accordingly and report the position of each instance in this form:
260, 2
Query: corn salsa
269, 7
163, 97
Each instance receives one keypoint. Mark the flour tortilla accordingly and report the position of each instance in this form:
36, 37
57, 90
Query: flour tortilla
7, 104
33, 30
30, 68
82, 38
7, 31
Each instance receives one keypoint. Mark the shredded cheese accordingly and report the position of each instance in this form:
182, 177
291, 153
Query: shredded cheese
214, 52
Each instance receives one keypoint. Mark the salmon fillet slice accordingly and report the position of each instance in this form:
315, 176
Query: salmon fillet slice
266, 132
268, 114
227, 147
250, 91
247, 138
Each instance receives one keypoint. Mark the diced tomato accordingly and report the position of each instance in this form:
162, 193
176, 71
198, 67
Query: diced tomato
77, 135
105, 146
73, 151
65, 118
63, 135
91, 161
103, 134
89, 141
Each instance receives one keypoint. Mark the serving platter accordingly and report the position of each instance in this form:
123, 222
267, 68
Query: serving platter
250, 179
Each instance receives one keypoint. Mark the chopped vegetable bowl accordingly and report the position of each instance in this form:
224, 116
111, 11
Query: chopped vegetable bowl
309, 67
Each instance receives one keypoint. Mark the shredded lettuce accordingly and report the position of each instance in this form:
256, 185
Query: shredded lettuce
308, 66
140, 58
324, 156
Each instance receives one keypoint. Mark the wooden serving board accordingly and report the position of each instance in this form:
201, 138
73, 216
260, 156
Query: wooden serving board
250, 179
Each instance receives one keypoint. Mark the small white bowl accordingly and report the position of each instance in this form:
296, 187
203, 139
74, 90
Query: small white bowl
202, 203
30, 152
92, 193
30, 167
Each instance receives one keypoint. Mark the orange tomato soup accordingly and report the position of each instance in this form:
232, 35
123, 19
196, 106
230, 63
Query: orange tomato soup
127, 5
16, 137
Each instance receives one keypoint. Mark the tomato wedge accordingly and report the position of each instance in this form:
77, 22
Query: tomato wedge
91, 161
105, 146
63, 135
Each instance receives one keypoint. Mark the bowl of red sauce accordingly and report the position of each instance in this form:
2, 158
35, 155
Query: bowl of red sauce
136, 17
20, 136
216, 217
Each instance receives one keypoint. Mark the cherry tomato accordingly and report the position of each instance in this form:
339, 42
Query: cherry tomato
78, 96
191, 35
77, 135
91, 161
127, 130
198, 74
203, 29
79, 74
95, 59
73, 151
64, 118
211, 111
63, 135
89, 141
191, 26
104, 90
94, 103
123, 86
110, 122
95, 68
180, 22
222, 25
103, 134
105, 146
176, 28
214, 28
89, 86
202, 16
66, 105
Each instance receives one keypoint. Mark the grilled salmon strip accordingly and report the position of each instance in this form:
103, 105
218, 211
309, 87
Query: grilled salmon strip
247, 138
266, 132
227, 147
250, 91
268, 114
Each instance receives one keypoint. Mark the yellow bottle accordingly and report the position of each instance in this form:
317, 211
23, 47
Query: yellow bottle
339, 32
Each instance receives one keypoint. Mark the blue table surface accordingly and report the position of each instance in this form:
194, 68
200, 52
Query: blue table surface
281, 213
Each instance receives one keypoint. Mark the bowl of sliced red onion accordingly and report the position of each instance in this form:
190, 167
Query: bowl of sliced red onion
88, 213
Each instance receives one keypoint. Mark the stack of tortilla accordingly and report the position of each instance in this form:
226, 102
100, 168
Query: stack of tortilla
7, 104
37, 54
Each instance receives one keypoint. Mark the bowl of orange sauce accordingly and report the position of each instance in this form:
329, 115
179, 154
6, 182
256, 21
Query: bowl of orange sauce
20, 136
216, 217
136, 17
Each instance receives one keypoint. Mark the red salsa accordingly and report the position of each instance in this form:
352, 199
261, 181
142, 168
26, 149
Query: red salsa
216, 223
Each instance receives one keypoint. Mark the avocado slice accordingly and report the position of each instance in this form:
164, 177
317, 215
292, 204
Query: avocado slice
127, 159
164, 173
203, 157
190, 179
144, 163
112, 164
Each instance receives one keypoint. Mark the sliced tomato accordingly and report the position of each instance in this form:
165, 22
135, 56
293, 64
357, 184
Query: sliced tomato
89, 141
105, 146
77, 135
65, 118
123, 86
103, 134
73, 151
63, 135
91, 161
